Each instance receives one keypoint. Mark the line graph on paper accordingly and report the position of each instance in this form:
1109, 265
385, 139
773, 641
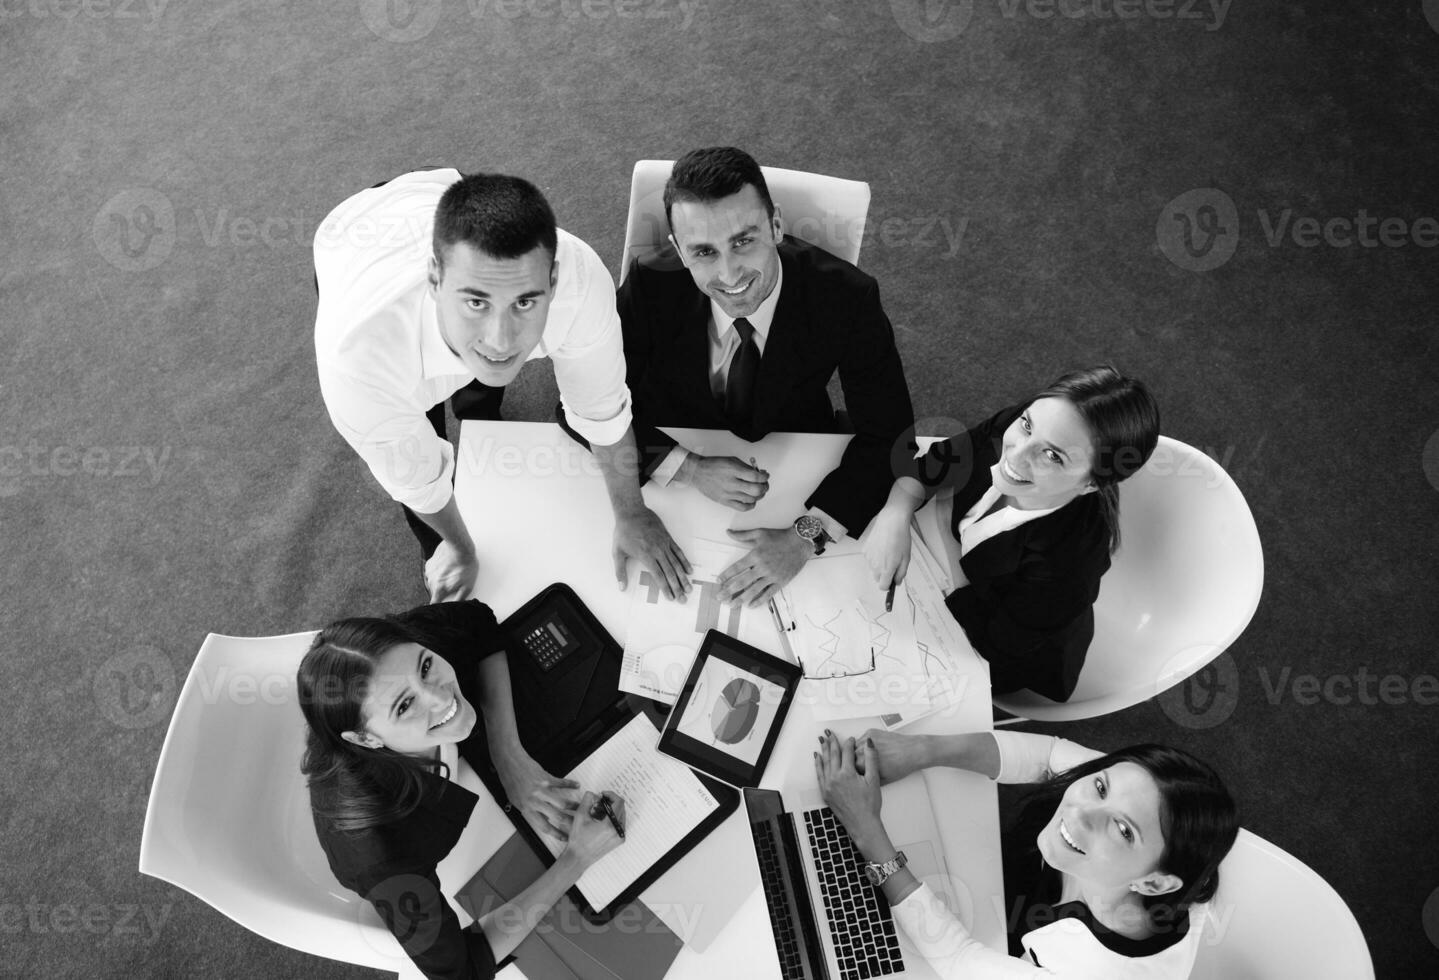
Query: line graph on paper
838, 645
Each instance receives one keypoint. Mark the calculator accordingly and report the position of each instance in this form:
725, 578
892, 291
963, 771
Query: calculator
549, 642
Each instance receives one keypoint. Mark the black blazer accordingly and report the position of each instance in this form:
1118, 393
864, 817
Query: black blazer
1029, 606
828, 318
392, 866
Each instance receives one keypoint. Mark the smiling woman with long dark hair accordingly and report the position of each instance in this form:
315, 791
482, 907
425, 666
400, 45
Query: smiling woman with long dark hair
1108, 865
393, 705
1029, 516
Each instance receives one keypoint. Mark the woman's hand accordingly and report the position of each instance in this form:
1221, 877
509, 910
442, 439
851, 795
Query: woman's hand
591, 837
898, 755
886, 545
547, 803
850, 789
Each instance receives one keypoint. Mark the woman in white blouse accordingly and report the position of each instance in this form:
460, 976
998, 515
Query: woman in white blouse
1108, 865
1026, 517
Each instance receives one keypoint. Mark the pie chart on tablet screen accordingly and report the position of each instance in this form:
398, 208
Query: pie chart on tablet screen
735, 711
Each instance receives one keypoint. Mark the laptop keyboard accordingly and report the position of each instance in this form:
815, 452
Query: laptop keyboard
786, 934
859, 918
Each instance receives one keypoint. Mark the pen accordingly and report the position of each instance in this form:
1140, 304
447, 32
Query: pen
889, 598
603, 807
779, 626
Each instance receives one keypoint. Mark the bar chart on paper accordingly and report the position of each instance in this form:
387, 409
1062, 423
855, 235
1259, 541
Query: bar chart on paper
663, 635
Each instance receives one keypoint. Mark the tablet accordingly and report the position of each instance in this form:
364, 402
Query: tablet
729, 712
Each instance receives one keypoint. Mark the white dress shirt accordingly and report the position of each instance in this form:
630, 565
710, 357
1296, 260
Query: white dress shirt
1064, 948
975, 527
383, 362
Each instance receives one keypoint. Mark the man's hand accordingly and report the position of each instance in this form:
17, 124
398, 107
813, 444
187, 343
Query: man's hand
641, 535
450, 573
725, 480
548, 803
776, 555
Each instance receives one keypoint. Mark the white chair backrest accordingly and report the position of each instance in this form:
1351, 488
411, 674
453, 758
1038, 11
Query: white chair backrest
1273, 918
826, 211
1182, 587
229, 815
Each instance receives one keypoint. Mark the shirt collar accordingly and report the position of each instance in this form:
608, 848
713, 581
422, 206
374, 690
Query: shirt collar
436, 358
760, 319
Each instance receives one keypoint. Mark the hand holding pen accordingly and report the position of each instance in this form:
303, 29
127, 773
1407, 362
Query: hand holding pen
609, 806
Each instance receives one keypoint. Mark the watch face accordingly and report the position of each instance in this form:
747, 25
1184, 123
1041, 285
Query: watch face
871, 873
808, 527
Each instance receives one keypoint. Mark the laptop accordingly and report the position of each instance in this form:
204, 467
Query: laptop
827, 921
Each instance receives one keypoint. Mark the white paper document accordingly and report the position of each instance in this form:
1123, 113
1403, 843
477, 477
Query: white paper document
940, 642
863, 661
664, 801
662, 635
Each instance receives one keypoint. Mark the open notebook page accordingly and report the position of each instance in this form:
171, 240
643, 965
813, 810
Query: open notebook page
664, 801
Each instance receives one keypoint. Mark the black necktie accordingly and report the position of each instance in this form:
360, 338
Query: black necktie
739, 386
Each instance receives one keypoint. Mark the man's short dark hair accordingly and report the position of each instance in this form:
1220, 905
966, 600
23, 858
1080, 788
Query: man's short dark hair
712, 173
504, 217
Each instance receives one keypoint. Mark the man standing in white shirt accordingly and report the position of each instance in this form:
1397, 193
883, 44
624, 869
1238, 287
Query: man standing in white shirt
434, 284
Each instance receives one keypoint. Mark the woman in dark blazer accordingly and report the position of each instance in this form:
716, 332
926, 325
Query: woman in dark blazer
392, 704
1031, 497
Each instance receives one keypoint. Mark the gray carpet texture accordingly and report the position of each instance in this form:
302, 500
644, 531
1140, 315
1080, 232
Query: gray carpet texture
1233, 201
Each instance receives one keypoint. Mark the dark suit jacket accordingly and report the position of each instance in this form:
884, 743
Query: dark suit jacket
393, 865
1029, 605
829, 318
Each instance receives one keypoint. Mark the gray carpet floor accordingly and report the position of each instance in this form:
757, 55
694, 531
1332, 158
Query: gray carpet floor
167, 468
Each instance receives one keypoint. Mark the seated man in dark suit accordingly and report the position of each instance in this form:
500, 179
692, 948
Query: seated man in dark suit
752, 350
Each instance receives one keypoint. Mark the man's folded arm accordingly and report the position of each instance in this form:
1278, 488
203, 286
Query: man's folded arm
396, 441
876, 396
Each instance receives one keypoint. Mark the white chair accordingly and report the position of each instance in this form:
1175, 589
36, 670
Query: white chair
1274, 918
826, 211
1182, 587
229, 815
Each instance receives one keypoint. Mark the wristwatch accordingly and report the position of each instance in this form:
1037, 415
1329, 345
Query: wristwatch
879, 872
812, 530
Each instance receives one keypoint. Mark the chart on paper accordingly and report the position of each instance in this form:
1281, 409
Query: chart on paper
663, 635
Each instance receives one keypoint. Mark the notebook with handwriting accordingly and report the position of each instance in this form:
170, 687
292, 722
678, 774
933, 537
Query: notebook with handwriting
664, 802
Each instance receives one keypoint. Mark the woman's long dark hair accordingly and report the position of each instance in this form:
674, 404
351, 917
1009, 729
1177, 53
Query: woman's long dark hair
353, 787
1197, 817
1123, 420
